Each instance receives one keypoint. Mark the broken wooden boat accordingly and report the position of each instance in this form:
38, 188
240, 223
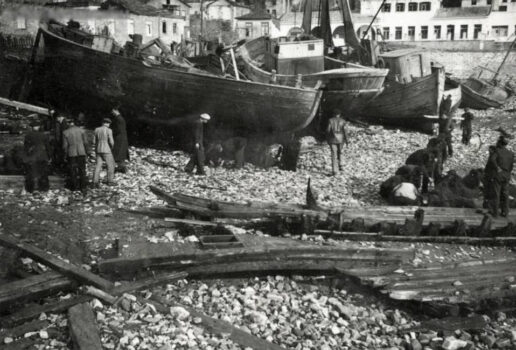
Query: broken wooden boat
483, 90
413, 89
486, 88
296, 61
87, 74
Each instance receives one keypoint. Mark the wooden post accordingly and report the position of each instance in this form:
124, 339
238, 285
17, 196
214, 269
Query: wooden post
299, 81
233, 60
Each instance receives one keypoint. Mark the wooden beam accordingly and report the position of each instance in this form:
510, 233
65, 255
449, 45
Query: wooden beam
451, 324
83, 327
19, 331
25, 106
219, 327
160, 279
67, 269
18, 182
375, 236
191, 222
32, 288
31, 312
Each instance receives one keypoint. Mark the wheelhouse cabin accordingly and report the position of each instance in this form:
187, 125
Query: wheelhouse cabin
406, 65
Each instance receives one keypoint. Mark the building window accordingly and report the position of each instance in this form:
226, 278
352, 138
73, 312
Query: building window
437, 32
168, 2
502, 8
489, 2
174, 28
248, 29
130, 26
21, 23
450, 32
386, 8
424, 6
164, 27
386, 33
412, 6
148, 27
411, 33
476, 30
397, 33
265, 28
400, 7
424, 32
111, 27
473, 2
500, 31
464, 31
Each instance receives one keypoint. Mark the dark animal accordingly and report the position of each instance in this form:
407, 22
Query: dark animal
452, 192
412, 173
474, 178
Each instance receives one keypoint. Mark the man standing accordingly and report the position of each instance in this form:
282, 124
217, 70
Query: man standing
197, 158
75, 147
502, 161
465, 125
37, 156
121, 148
60, 126
336, 136
103, 145
446, 123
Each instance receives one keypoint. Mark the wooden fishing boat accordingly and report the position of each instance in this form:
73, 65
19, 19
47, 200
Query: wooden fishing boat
481, 92
413, 90
92, 80
289, 62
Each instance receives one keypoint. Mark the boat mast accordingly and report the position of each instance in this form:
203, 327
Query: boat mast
374, 18
504, 59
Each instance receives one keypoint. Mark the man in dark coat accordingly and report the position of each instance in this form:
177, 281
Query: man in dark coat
498, 172
198, 156
426, 160
37, 157
336, 136
121, 148
446, 123
60, 125
75, 147
465, 125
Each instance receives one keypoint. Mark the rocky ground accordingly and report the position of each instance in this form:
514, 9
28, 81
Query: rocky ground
297, 313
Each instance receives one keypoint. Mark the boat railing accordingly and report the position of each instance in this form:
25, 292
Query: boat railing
488, 74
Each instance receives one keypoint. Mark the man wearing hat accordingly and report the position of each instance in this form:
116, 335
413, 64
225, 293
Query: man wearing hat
103, 145
446, 123
197, 159
336, 136
75, 147
503, 162
465, 125
37, 156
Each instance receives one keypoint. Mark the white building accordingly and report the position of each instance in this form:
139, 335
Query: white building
477, 25
256, 24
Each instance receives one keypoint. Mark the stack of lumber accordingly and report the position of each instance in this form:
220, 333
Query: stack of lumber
259, 254
468, 282
454, 225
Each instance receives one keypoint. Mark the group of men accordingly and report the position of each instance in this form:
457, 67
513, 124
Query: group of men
71, 149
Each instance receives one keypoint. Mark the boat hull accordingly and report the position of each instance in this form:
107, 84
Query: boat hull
406, 105
92, 81
347, 89
477, 94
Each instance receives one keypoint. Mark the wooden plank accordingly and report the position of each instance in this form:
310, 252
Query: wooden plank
31, 312
219, 327
160, 279
192, 222
63, 267
25, 106
19, 331
83, 327
8, 182
374, 236
33, 288
180, 261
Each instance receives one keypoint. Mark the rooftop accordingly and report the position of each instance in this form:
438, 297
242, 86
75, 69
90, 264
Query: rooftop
256, 15
296, 18
137, 7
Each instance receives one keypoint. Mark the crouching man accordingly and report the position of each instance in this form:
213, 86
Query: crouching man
405, 194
